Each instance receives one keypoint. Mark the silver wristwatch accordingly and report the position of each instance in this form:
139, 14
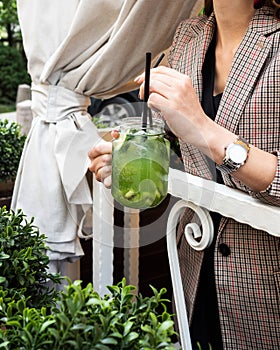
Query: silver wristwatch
236, 156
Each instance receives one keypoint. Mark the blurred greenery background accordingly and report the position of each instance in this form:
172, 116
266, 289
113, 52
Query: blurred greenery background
13, 67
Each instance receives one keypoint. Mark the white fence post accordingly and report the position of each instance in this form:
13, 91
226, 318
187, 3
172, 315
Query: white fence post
102, 238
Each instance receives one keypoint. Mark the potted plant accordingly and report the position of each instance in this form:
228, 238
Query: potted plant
11, 146
35, 317
82, 319
23, 262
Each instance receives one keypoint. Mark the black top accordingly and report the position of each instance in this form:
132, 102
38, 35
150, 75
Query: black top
205, 327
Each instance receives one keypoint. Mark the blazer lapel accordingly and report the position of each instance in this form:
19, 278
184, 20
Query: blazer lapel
248, 63
192, 63
199, 48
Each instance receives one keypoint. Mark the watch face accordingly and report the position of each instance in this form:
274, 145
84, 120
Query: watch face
237, 153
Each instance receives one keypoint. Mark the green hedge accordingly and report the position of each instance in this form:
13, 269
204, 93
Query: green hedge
13, 73
11, 146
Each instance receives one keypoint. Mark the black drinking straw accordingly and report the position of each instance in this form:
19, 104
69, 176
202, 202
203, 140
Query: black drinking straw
145, 111
159, 60
157, 63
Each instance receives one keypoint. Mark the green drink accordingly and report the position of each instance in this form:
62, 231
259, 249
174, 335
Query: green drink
140, 165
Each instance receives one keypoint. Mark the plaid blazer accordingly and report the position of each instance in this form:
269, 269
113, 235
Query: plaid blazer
247, 280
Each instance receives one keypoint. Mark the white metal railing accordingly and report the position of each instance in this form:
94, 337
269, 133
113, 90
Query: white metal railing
202, 196
226, 201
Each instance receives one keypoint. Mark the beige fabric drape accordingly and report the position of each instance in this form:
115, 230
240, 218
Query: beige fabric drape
76, 49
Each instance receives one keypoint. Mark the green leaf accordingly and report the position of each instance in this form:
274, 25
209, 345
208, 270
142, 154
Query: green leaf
4, 344
45, 325
147, 329
64, 320
131, 336
101, 347
153, 319
165, 326
13, 323
109, 341
127, 327
4, 256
